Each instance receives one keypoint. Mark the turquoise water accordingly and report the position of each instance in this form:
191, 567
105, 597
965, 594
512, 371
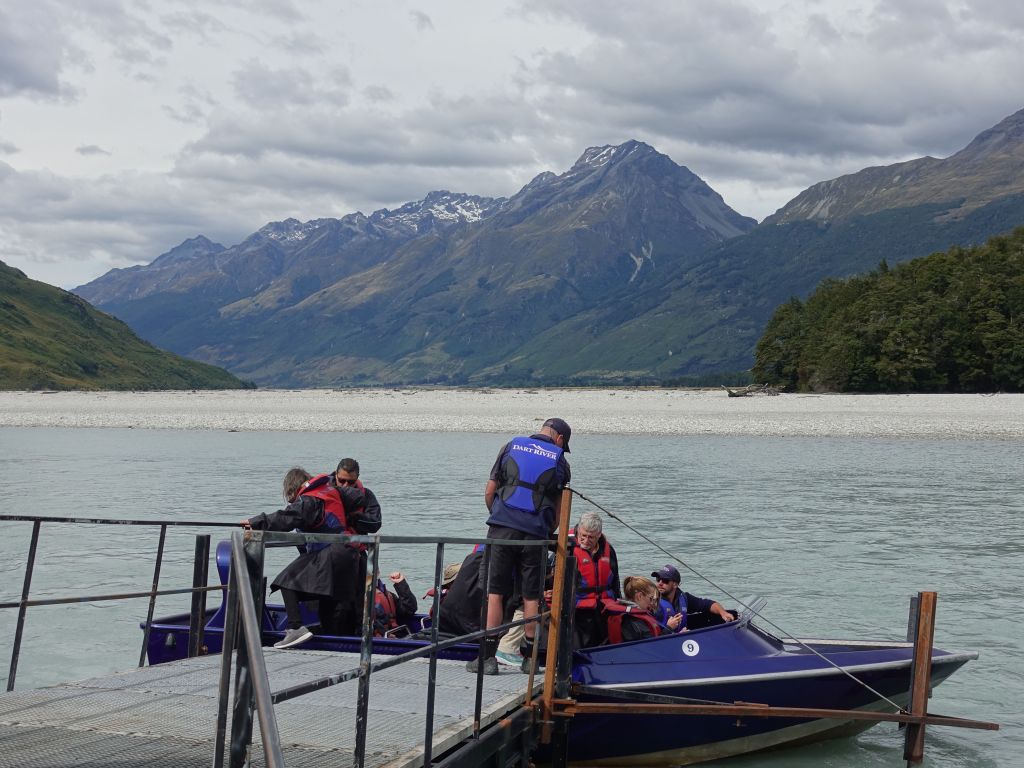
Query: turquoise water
837, 533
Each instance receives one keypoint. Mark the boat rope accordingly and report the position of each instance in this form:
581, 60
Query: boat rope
785, 633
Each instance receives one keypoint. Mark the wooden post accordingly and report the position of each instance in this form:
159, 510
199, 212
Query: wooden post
920, 676
548, 696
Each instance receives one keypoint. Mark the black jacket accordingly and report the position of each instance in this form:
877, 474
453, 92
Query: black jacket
337, 571
460, 606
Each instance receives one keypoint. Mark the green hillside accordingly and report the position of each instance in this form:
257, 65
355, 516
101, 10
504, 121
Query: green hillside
949, 322
52, 339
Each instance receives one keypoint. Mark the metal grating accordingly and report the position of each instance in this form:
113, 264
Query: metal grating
166, 715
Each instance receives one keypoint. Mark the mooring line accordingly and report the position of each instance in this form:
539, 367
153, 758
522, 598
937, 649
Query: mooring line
731, 596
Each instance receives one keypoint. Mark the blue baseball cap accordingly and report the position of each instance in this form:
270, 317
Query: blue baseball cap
667, 573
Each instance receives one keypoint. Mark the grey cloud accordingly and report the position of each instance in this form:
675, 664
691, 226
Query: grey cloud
422, 21
264, 88
377, 93
31, 51
68, 231
470, 132
281, 10
204, 25
7, 148
193, 106
1000, 13
91, 149
301, 42
717, 73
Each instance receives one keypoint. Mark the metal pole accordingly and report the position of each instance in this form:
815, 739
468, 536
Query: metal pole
428, 735
365, 658
913, 744
152, 598
25, 586
250, 672
200, 573
485, 570
912, 619
257, 693
227, 649
557, 602
563, 665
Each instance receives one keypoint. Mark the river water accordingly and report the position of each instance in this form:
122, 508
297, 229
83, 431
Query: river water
837, 533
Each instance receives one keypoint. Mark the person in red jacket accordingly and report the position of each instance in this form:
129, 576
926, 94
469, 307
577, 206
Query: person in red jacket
598, 582
332, 574
633, 619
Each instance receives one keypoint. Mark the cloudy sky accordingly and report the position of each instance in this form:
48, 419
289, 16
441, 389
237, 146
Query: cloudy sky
128, 126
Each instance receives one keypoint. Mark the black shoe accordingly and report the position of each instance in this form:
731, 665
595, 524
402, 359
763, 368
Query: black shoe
490, 665
528, 665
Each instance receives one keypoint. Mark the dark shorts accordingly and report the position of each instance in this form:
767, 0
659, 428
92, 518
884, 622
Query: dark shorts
509, 561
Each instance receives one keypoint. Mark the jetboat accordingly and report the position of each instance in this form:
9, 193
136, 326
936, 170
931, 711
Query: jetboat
722, 663
735, 662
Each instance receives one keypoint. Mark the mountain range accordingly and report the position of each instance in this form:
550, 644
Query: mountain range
625, 268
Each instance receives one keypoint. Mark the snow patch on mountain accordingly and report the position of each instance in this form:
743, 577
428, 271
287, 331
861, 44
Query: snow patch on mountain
443, 207
290, 231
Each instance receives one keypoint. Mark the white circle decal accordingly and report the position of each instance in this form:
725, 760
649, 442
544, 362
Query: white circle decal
690, 648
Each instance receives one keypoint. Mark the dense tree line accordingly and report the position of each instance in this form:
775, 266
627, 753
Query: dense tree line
949, 322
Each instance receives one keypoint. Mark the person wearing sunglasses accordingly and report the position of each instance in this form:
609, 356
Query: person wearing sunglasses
332, 574
675, 605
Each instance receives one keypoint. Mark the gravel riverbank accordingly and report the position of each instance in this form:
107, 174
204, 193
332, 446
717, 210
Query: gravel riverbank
596, 411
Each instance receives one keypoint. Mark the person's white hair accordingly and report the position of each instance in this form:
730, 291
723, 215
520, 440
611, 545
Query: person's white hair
590, 521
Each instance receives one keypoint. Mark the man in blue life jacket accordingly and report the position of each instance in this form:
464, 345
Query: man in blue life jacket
522, 494
675, 605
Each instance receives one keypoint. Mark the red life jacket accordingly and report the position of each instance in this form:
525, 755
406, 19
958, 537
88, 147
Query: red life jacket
595, 575
385, 610
616, 613
334, 519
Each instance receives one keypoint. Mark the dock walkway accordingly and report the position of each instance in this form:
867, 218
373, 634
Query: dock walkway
166, 715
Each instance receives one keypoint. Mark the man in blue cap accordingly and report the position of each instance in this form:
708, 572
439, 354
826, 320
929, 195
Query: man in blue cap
522, 493
675, 605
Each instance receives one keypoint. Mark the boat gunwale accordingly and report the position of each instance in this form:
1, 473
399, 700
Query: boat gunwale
957, 657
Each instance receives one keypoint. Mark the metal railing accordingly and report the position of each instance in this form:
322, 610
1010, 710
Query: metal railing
198, 590
243, 636
242, 639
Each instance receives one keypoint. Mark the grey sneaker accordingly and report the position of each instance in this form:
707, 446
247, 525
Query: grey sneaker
490, 665
294, 637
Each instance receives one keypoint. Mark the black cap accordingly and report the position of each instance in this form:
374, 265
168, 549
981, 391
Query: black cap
561, 427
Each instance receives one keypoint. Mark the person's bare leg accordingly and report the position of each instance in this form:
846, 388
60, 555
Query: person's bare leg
495, 609
530, 610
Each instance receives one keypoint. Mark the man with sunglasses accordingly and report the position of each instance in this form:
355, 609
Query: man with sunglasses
333, 574
675, 605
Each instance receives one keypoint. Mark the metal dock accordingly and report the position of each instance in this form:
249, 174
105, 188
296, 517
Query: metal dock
165, 715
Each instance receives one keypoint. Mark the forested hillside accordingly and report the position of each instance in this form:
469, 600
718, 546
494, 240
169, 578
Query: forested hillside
949, 322
52, 339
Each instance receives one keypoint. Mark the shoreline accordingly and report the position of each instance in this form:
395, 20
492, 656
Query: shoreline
662, 412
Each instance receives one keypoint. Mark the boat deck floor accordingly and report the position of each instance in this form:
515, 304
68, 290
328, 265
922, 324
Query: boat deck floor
166, 715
